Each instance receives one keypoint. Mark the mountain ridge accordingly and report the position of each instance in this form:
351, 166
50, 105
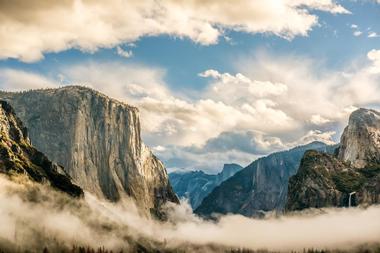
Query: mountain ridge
260, 187
196, 185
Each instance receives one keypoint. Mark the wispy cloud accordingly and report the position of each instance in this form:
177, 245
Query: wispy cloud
373, 35
124, 53
356, 31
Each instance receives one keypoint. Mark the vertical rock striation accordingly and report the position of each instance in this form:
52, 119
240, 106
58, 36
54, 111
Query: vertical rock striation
98, 141
360, 141
19, 157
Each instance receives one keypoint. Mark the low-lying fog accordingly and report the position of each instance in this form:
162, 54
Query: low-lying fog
31, 216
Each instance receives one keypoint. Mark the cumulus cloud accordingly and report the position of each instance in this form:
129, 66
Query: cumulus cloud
240, 87
374, 56
313, 89
89, 25
34, 216
272, 102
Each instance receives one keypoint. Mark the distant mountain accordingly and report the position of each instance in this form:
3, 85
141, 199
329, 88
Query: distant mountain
328, 180
98, 141
196, 185
19, 157
260, 187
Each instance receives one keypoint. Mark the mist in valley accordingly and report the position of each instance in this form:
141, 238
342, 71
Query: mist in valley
34, 216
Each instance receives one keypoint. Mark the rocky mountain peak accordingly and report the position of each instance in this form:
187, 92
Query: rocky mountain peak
360, 141
228, 171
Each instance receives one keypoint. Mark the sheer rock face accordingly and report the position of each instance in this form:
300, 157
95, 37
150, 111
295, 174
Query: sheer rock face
196, 185
18, 156
360, 142
260, 187
97, 139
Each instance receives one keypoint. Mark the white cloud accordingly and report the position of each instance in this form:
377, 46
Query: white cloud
322, 5
17, 80
89, 25
318, 119
316, 135
313, 89
124, 53
279, 102
239, 86
356, 31
374, 56
373, 35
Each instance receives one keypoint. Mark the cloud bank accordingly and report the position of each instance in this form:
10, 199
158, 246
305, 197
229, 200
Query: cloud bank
34, 216
88, 25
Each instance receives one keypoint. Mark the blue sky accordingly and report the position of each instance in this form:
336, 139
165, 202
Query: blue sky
306, 52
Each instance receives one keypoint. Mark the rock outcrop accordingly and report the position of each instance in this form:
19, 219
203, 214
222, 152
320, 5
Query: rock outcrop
196, 185
325, 181
260, 187
328, 180
360, 141
97, 139
19, 157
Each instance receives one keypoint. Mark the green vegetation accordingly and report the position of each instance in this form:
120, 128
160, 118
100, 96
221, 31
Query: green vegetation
348, 181
371, 171
353, 180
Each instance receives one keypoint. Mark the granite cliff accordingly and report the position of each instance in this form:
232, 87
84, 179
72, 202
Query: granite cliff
196, 185
360, 141
328, 180
97, 139
19, 157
